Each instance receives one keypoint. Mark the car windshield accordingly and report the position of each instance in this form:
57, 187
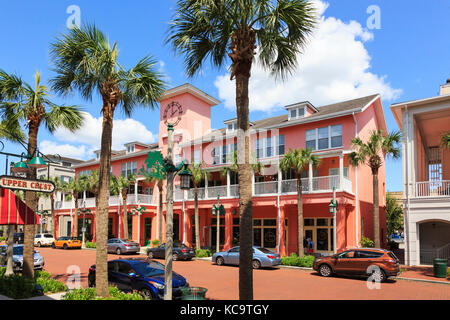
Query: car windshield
18, 251
149, 269
48, 236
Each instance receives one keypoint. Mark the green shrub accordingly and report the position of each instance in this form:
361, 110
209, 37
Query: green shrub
2, 271
367, 243
155, 243
91, 245
89, 294
296, 261
49, 284
16, 286
203, 253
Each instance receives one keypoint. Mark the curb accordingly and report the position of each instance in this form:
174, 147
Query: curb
422, 280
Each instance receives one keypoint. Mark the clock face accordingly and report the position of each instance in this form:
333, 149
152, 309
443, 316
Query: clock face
172, 113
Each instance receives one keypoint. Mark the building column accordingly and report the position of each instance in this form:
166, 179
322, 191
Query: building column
253, 182
341, 171
228, 229
282, 250
280, 177
310, 177
136, 192
206, 186
94, 233
228, 184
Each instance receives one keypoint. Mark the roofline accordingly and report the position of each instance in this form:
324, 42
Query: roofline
188, 88
120, 157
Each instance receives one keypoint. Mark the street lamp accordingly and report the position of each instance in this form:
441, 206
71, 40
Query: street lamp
333, 210
83, 230
37, 162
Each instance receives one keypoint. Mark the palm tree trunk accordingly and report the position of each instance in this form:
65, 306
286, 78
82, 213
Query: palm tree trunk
160, 214
101, 226
52, 209
125, 214
75, 219
301, 249
31, 201
376, 209
197, 220
245, 191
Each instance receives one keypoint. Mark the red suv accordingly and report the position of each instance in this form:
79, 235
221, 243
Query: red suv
360, 261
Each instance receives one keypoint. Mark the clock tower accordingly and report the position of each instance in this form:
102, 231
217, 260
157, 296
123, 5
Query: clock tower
189, 110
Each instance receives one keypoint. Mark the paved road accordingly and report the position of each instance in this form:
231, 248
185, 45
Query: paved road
269, 284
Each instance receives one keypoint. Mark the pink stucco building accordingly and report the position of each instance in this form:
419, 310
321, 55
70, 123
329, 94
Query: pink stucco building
328, 130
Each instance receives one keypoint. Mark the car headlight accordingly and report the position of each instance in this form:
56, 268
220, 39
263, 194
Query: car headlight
157, 285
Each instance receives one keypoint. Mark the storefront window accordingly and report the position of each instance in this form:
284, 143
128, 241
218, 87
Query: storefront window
265, 233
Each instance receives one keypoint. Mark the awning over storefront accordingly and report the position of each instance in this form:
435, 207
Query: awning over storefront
15, 211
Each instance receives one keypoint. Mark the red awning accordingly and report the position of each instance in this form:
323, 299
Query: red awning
15, 211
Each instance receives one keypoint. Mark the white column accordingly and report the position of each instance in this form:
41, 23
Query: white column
310, 177
280, 176
341, 172
253, 182
136, 191
228, 184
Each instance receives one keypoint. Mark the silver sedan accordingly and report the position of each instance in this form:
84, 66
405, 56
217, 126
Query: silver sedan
119, 246
262, 257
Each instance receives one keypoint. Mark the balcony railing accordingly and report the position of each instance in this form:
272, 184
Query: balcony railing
433, 189
266, 187
113, 201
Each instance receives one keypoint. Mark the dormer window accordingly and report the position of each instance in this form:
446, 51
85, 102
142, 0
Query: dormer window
296, 113
130, 149
232, 127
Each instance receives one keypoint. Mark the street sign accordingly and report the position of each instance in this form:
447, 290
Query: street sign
17, 183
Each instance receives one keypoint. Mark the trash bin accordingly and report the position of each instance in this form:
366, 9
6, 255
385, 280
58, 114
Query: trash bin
440, 268
193, 293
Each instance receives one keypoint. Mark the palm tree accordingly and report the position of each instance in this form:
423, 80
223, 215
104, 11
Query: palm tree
121, 185
76, 186
378, 146
445, 140
84, 60
217, 29
198, 175
23, 103
148, 178
298, 160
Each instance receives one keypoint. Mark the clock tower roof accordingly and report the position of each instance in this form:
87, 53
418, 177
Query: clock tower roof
188, 88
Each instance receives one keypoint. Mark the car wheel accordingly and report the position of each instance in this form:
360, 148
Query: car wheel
118, 251
379, 274
325, 270
256, 264
65, 247
53, 246
147, 294
174, 257
150, 255
219, 261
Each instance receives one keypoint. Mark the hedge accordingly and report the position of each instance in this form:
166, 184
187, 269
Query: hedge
203, 253
294, 260
89, 294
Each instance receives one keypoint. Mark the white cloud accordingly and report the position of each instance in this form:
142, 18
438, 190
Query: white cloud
334, 67
87, 139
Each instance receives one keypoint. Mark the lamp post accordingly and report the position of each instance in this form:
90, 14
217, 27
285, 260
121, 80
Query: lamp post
218, 211
333, 210
185, 176
139, 210
83, 230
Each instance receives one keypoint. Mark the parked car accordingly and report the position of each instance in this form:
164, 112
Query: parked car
359, 261
66, 243
18, 238
43, 239
119, 246
262, 257
140, 274
180, 252
18, 257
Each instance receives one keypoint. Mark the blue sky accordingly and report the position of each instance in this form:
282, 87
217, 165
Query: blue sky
406, 58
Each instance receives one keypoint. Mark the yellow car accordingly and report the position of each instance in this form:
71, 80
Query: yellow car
66, 243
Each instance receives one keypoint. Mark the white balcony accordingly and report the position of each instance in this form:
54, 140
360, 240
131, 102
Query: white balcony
429, 189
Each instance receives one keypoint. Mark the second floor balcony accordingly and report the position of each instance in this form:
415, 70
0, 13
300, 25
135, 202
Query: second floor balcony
282, 187
132, 199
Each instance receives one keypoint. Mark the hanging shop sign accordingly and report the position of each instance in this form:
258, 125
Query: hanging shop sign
17, 183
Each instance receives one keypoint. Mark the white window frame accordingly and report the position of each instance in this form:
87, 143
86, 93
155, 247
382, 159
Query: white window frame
316, 147
297, 113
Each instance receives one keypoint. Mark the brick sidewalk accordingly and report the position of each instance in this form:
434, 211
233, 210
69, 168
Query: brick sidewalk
421, 273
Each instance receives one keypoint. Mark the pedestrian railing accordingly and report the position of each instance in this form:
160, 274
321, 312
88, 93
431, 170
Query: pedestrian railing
433, 188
